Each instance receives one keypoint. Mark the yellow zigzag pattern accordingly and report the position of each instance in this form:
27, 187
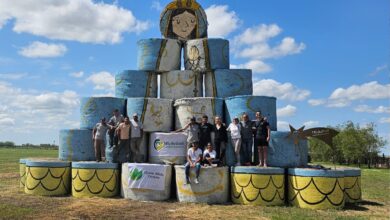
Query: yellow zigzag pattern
316, 192
94, 182
353, 192
47, 181
257, 189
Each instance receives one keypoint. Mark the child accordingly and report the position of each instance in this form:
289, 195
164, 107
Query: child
194, 157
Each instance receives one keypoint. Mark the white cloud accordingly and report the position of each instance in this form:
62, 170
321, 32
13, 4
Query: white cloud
379, 69
77, 74
369, 109
257, 66
285, 91
40, 49
221, 21
28, 110
370, 90
12, 76
287, 111
316, 102
283, 126
157, 6
310, 124
82, 20
384, 120
102, 81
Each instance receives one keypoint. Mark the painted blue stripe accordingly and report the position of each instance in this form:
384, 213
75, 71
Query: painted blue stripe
352, 172
42, 163
23, 160
257, 170
315, 172
94, 165
247, 96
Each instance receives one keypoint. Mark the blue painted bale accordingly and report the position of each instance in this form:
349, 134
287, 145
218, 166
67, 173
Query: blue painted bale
206, 54
76, 145
92, 109
159, 54
237, 105
224, 83
132, 83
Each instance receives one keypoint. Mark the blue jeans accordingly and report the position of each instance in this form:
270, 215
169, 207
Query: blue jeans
246, 146
188, 167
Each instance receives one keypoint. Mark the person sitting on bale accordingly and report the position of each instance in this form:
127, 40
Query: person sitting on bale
194, 157
210, 156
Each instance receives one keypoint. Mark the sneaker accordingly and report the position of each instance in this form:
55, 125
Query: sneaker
196, 181
188, 181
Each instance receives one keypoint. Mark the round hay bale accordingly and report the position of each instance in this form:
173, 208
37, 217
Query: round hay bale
188, 107
213, 187
159, 54
206, 54
76, 145
352, 184
167, 148
316, 189
47, 178
155, 114
181, 84
258, 186
146, 182
92, 109
237, 105
92, 179
22, 172
133, 83
224, 83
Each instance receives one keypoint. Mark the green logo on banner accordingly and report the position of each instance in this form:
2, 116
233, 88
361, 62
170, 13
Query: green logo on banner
135, 174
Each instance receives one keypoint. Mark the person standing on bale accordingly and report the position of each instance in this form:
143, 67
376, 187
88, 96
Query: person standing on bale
235, 133
205, 132
98, 136
246, 138
194, 158
114, 121
220, 139
137, 131
124, 134
262, 137
192, 130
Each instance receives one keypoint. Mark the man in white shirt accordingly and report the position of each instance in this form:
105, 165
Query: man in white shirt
136, 138
98, 136
210, 156
194, 157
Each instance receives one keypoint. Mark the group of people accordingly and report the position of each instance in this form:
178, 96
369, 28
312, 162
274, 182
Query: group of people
243, 135
125, 137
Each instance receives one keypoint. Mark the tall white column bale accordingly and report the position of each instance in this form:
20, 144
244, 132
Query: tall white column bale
188, 107
206, 54
155, 114
167, 148
159, 54
181, 84
224, 83
143, 191
133, 83
92, 109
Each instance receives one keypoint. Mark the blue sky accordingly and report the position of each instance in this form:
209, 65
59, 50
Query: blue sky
327, 62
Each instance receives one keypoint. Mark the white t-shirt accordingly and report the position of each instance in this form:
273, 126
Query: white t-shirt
212, 154
194, 156
136, 128
235, 130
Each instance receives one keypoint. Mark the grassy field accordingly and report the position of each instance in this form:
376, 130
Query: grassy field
14, 204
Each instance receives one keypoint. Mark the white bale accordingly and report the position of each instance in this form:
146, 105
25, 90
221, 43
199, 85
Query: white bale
181, 84
167, 148
213, 186
188, 107
149, 182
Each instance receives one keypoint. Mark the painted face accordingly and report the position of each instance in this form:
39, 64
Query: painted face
183, 24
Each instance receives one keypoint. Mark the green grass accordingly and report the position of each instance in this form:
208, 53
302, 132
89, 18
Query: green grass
14, 204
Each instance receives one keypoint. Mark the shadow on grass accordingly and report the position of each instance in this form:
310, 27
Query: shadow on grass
360, 205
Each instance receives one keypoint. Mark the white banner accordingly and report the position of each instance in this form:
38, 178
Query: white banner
167, 144
147, 176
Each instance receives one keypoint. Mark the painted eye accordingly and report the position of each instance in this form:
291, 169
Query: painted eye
178, 21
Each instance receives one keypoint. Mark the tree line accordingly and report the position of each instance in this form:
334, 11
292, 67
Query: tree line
353, 145
10, 144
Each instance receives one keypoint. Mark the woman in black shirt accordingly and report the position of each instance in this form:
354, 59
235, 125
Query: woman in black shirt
220, 139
